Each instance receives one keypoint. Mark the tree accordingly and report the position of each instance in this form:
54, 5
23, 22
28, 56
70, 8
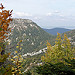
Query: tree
60, 51
5, 19
57, 69
17, 60
68, 51
59, 59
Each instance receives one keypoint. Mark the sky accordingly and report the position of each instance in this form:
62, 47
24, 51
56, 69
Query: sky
46, 13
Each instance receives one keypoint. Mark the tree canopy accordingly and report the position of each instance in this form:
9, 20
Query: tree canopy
60, 51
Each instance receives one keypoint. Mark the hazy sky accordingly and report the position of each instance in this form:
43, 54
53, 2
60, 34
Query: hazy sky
46, 13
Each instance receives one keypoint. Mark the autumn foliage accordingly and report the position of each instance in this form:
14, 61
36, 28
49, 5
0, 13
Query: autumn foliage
12, 65
5, 18
60, 51
58, 59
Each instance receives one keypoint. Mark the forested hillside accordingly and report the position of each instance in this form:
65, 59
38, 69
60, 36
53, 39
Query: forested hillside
32, 36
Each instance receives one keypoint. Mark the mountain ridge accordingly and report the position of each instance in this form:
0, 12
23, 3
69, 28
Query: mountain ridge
54, 31
33, 37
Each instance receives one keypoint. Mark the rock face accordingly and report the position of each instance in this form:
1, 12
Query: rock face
33, 37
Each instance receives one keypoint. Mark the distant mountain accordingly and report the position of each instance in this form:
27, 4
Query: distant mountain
33, 37
55, 30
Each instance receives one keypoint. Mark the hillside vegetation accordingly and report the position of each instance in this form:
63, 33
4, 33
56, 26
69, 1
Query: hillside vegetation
33, 37
71, 36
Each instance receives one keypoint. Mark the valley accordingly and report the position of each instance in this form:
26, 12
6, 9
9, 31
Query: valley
34, 41
37, 37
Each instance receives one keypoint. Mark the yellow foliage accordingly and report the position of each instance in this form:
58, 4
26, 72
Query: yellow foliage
60, 51
15, 56
16, 52
19, 55
20, 40
13, 68
17, 46
20, 48
12, 60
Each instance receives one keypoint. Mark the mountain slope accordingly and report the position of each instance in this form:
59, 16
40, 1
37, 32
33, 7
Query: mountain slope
55, 30
32, 36
71, 36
